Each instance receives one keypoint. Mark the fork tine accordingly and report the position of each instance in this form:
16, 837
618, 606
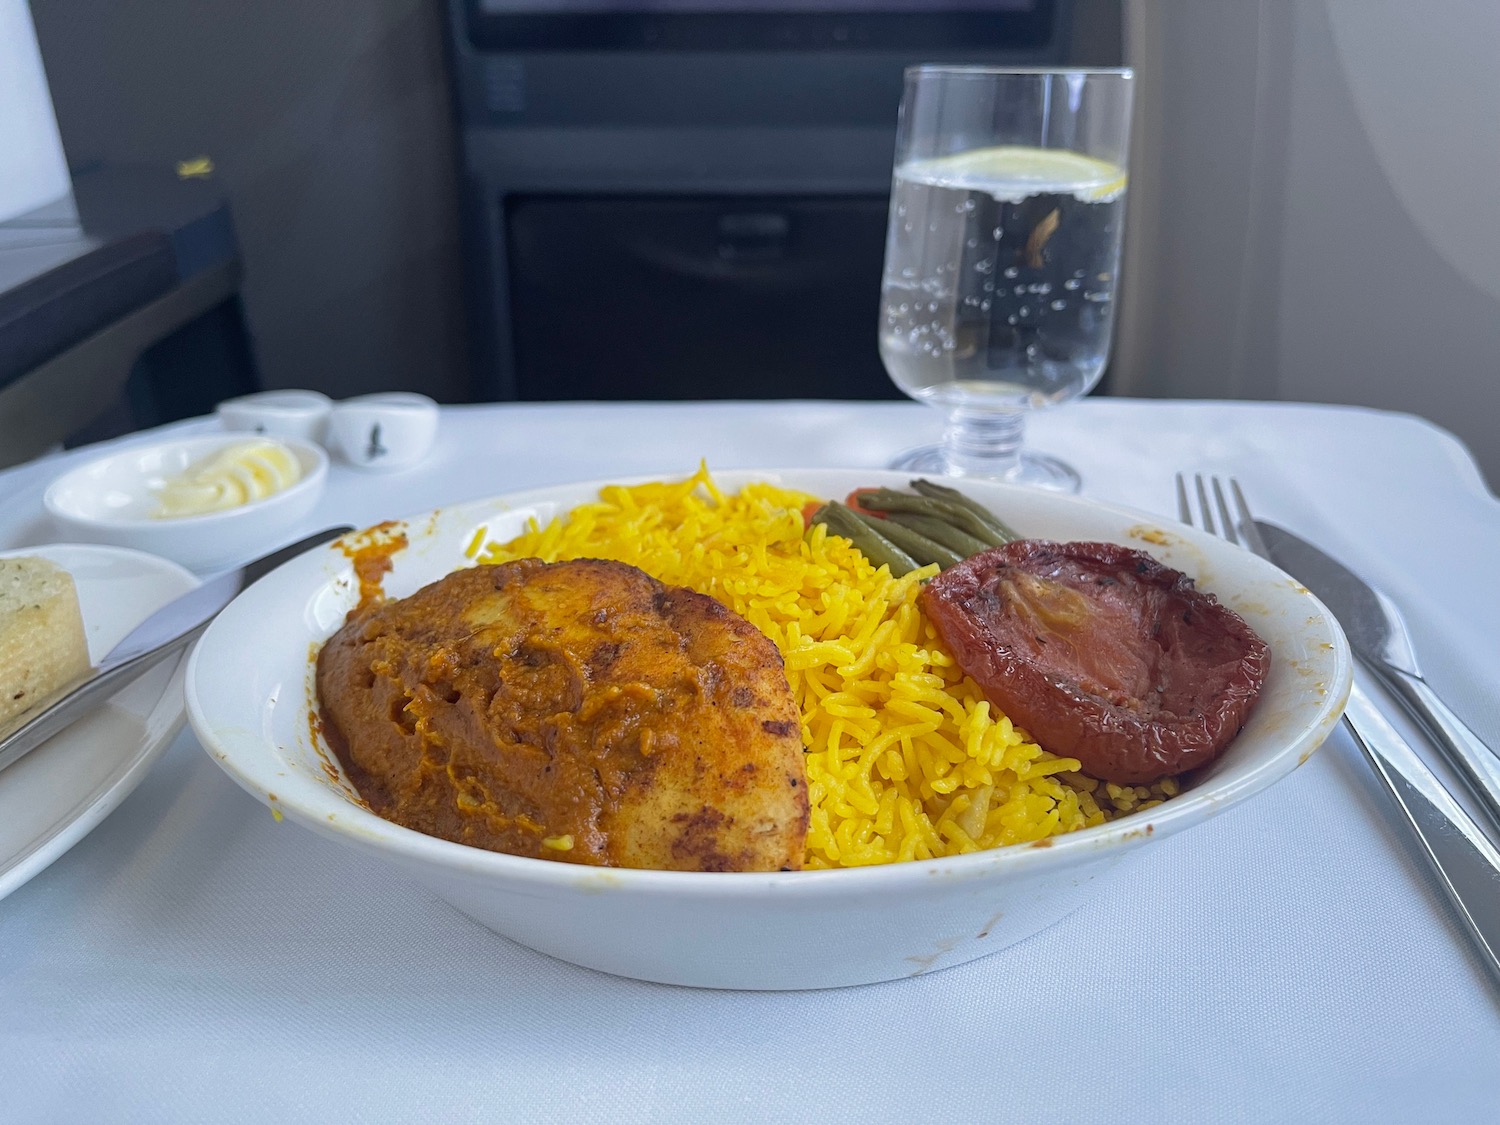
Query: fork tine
1203, 506
1253, 538
1224, 516
1238, 525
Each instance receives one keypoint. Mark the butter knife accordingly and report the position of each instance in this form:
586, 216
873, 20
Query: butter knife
1377, 634
170, 629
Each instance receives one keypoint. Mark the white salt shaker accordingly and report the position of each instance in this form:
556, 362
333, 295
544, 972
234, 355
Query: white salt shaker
390, 430
294, 414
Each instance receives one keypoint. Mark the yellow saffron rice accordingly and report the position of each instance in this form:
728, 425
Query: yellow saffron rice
905, 758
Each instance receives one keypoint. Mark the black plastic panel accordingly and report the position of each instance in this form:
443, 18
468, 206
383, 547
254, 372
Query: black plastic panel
812, 30
696, 298
51, 312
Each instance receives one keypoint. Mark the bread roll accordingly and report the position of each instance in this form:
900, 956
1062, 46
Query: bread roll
42, 645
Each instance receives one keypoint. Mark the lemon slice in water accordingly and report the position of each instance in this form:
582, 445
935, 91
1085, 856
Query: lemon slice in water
1013, 172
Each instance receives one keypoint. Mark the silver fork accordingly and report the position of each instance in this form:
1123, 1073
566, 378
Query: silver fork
1466, 864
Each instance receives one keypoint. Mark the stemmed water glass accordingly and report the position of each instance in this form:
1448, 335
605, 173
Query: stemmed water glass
1002, 255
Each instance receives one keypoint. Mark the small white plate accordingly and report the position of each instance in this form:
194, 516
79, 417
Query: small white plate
54, 797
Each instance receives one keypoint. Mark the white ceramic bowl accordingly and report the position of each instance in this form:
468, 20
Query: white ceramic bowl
807, 929
109, 500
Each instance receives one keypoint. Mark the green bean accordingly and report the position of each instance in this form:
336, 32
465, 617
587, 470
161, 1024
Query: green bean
914, 543
954, 496
888, 500
940, 531
881, 551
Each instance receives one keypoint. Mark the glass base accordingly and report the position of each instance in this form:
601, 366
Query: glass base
1035, 469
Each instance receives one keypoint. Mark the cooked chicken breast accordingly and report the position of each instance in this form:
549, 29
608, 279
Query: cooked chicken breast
579, 711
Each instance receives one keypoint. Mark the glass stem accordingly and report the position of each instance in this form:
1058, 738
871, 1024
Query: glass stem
983, 443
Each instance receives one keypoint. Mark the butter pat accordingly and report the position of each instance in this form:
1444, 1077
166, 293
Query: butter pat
240, 474
42, 645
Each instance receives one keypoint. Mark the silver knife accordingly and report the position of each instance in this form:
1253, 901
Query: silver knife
1463, 859
1378, 635
166, 631
1465, 862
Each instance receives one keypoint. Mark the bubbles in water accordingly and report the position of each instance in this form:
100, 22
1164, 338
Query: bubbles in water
946, 307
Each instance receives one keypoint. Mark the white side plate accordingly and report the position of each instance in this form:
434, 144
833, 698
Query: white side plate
57, 794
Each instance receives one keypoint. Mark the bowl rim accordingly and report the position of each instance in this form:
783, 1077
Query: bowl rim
312, 457
316, 805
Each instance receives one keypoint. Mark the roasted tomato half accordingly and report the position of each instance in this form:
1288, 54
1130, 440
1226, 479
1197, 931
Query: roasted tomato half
1102, 653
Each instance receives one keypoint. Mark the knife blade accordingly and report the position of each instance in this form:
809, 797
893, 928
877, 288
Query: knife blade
1377, 633
164, 632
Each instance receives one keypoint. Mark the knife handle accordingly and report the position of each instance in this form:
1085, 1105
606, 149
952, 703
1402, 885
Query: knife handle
1466, 864
1463, 749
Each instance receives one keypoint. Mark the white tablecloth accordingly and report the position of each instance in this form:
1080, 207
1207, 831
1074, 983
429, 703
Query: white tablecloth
193, 960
